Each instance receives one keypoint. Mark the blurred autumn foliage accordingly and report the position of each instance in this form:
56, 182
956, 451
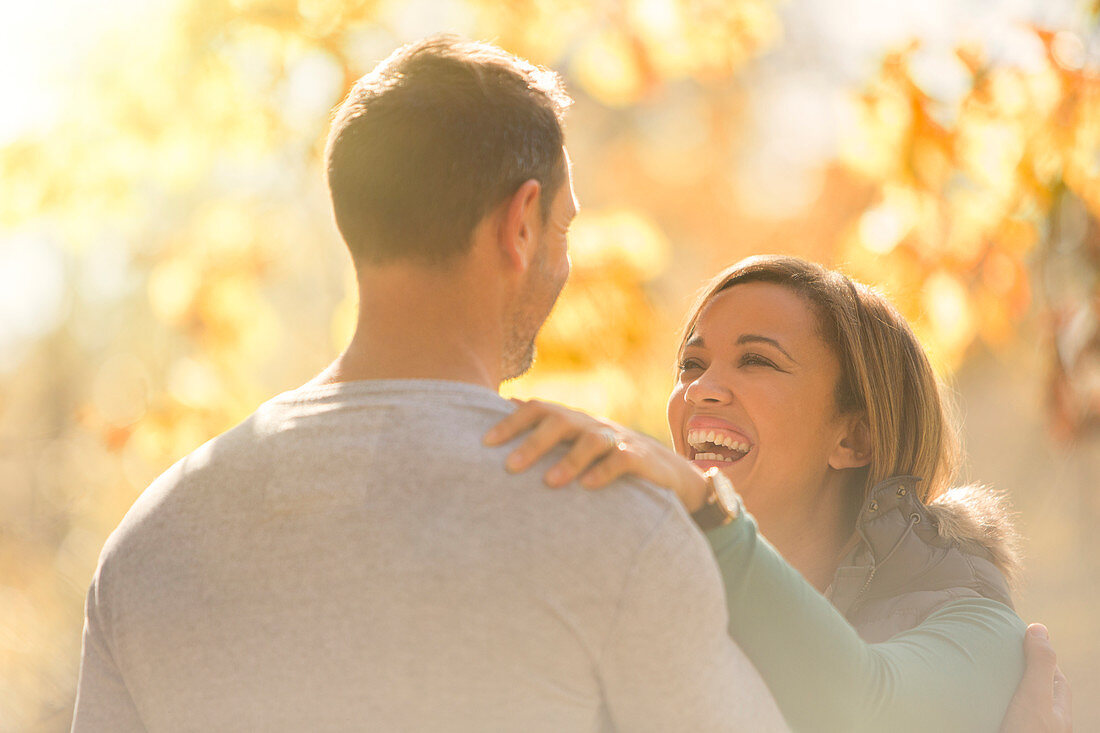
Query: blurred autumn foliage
977, 205
181, 194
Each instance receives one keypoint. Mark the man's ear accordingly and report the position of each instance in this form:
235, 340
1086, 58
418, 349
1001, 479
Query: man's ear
853, 449
517, 235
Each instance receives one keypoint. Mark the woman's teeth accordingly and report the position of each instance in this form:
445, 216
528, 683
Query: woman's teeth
699, 439
713, 457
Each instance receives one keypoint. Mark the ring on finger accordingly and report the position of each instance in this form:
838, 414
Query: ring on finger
613, 443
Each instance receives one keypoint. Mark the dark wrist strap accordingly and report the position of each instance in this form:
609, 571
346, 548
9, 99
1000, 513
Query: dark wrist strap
715, 512
712, 515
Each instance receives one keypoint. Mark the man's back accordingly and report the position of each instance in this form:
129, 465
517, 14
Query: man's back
350, 557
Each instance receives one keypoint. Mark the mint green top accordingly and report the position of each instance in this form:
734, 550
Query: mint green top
956, 671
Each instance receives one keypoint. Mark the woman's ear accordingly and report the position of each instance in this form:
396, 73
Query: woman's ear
853, 449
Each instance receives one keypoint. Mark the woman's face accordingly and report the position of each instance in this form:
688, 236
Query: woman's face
755, 397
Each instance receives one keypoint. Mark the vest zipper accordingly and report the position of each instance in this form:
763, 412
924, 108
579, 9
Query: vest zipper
914, 518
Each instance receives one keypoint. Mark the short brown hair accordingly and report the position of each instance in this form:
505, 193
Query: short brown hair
884, 371
431, 139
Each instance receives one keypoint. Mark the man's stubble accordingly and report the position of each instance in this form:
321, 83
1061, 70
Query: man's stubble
530, 313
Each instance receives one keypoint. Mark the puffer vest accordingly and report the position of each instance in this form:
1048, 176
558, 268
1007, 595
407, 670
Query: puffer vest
912, 558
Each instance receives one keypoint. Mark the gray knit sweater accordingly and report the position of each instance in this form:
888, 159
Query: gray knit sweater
351, 558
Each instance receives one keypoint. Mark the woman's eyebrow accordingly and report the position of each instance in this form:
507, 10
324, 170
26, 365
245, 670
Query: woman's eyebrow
753, 338
695, 340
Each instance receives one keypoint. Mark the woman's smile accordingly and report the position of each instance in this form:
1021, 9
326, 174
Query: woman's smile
756, 396
715, 442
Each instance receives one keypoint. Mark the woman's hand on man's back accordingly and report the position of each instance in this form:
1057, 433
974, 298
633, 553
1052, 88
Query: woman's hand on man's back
1042, 701
600, 451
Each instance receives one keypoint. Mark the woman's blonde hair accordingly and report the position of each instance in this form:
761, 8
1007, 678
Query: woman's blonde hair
884, 372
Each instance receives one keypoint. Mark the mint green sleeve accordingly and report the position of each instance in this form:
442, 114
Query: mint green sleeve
956, 671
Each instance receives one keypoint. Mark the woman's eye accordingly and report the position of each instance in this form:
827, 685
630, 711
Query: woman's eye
687, 365
751, 359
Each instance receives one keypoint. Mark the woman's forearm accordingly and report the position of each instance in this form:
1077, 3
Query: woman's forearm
955, 671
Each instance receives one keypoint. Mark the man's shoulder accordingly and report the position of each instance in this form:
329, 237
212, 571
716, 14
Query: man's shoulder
170, 492
361, 442
448, 451
627, 511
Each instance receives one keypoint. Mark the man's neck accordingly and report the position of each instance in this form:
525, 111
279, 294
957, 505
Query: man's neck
376, 357
414, 325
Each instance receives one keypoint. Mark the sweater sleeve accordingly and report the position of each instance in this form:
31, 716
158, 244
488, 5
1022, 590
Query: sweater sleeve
103, 702
956, 671
667, 663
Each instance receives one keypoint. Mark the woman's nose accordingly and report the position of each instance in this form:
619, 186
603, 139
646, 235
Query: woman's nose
707, 390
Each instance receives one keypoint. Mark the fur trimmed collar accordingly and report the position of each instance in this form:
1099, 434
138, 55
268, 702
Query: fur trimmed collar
980, 520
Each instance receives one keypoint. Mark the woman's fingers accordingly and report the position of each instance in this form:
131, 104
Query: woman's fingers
1063, 700
586, 450
601, 451
550, 424
550, 431
1042, 662
614, 464
524, 417
1041, 702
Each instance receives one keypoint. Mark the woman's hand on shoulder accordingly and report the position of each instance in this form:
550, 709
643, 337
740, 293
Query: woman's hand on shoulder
1042, 700
600, 451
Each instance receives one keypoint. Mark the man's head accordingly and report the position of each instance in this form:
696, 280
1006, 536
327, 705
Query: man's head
433, 138
545, 275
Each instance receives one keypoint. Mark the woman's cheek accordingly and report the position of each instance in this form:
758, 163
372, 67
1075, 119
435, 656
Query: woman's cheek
675, 415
